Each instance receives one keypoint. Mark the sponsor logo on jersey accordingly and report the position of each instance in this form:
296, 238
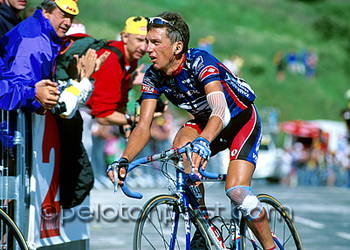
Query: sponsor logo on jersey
234, 152
148, 89
198, 64
208, 71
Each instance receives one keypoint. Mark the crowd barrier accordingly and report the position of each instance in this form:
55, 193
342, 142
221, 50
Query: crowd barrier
29, 183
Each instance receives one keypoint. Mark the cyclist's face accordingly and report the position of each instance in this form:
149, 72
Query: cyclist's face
60, 21
135, 46
160, 49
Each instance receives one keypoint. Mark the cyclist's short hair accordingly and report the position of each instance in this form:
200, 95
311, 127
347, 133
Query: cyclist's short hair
48, 5
178, 32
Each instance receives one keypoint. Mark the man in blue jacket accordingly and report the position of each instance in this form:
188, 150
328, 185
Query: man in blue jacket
28, 53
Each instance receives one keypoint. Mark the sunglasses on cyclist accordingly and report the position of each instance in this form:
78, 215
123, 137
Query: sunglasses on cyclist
161, 21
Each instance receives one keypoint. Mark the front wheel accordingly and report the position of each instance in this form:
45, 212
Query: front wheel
10, 235
157, 220
283, 229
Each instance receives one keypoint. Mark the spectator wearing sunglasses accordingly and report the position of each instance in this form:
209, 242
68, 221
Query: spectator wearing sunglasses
222, 105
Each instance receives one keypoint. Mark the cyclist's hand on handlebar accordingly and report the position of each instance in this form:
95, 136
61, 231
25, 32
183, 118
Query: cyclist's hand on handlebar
119, 167
201, 153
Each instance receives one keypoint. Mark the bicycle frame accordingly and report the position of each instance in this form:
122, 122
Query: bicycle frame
188, 199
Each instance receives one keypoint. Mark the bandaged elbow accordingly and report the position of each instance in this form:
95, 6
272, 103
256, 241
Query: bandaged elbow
217, 103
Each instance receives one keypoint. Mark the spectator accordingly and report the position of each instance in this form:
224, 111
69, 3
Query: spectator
280, 63
300, 158
292, 61
113, 80
206, 43
10, 15
23, 68
47, 28
109, 99
235, 64
311, 63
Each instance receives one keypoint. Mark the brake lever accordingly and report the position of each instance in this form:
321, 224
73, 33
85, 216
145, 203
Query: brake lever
115, 173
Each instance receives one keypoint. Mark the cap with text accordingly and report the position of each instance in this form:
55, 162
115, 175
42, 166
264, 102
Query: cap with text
69, 6
136, 25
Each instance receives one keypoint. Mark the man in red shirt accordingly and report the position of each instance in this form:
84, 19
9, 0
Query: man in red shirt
109, 98
113, 80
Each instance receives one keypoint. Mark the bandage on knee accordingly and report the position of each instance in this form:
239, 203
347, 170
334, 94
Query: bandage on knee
245, 201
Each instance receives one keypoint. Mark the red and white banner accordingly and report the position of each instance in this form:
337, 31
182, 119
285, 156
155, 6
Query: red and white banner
45, 216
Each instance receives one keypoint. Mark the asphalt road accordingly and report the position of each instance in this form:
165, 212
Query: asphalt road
321, 214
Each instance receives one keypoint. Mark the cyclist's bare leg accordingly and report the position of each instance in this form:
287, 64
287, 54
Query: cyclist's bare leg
183, 136
239, 174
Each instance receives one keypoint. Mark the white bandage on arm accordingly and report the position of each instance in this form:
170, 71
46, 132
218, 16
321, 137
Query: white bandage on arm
217, 103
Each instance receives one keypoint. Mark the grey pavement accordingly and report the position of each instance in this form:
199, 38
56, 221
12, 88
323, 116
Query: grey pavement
321, 214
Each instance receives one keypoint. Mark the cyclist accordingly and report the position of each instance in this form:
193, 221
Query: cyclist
222, 105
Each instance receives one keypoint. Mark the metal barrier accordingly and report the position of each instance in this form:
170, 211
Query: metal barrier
29, 180
14, 168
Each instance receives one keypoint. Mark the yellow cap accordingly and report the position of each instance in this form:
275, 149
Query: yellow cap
69, 6
136, 25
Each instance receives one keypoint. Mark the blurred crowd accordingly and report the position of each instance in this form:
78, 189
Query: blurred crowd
302, 62
316, 165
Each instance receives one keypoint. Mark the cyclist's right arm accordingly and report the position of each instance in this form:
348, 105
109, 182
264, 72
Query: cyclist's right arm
139, 136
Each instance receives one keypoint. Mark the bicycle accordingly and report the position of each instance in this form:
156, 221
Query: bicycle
11, 236
181, 208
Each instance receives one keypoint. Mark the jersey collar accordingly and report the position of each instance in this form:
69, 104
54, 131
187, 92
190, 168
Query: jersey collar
180, 67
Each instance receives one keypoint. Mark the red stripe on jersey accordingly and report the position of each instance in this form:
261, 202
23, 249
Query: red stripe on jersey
242, 136
238, 102
207, 71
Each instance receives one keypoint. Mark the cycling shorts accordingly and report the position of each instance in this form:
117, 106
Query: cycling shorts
242, 135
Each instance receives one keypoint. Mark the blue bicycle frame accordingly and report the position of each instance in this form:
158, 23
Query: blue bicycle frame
188, 197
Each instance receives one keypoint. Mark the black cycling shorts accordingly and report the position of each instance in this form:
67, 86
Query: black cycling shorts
242, 135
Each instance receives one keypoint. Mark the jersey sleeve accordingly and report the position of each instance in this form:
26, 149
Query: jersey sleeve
204, 67
149, 83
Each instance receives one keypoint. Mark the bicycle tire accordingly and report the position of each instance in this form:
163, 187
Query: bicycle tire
9, 227
284, 231
147, 230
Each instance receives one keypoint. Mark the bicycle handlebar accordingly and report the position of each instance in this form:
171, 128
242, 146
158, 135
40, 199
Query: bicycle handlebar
210, 175
163, 155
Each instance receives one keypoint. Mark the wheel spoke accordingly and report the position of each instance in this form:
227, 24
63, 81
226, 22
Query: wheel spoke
155, 225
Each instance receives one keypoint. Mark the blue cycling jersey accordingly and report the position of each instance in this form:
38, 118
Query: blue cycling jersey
185, 89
